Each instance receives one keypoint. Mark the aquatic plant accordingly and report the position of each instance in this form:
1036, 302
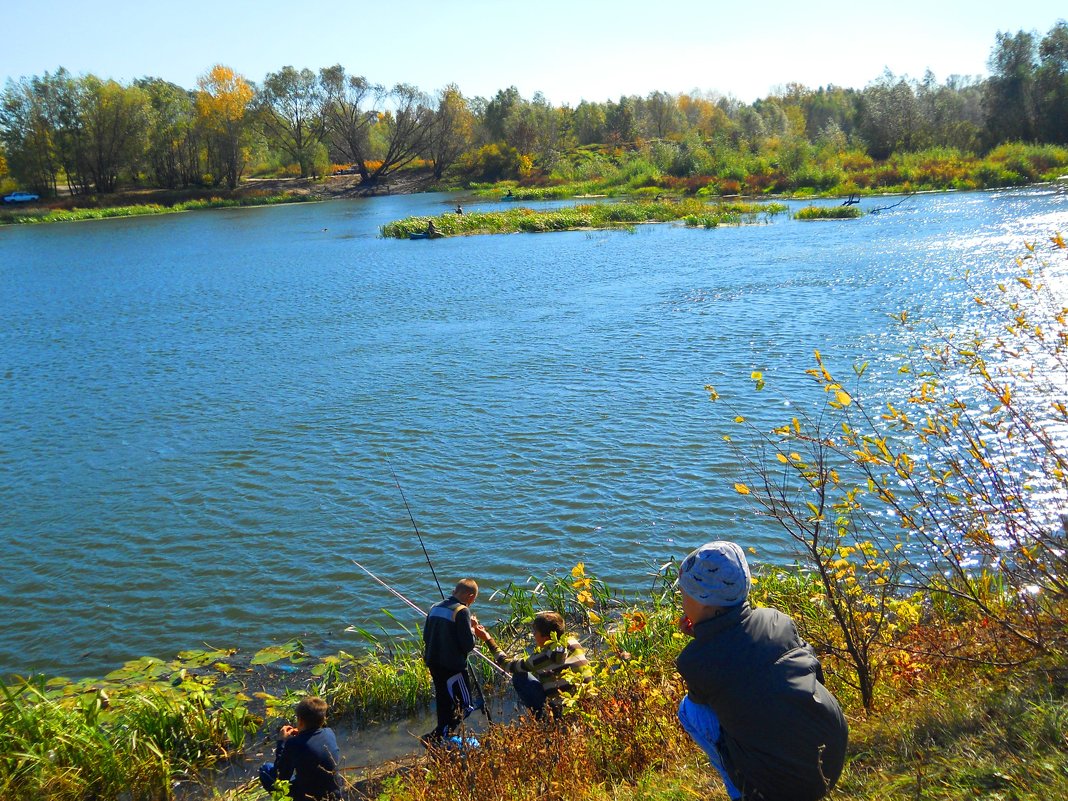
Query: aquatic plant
583, 216
828, 213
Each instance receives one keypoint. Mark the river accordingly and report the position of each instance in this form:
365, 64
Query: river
199, 411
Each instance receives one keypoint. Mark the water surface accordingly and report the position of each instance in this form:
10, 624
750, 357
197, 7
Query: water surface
198, 411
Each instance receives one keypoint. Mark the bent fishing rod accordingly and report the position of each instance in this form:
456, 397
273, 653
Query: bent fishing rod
417, 534
411, 604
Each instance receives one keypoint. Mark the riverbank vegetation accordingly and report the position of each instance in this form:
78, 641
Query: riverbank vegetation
585, 216
931, 579
76, 213
89, 136
827, 213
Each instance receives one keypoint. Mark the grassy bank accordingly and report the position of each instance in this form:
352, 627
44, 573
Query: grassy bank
585, 216
152, 724
711, 169
75, 214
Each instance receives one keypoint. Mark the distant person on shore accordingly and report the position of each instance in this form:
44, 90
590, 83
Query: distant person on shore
756, 703
308, 750
459, 209
447, 640
431, 229
542, 678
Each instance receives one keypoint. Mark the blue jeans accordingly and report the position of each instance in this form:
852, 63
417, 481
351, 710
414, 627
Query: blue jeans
701, 723
530, 692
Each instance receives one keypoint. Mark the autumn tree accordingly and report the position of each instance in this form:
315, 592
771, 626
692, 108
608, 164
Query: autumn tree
703, 115
223, 102
661, 116
406, 128
293, 115
589, 123
496, 113
890, 118
115, 125
29, 133
1051, 85
952, 113
452, 130
173, 152
351, 109
1010, 90
621, 121
87, 129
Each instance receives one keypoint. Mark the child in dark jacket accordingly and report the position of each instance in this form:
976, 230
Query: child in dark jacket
307, 756
756, 702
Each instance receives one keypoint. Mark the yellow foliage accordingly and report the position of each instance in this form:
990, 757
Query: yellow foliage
223, 97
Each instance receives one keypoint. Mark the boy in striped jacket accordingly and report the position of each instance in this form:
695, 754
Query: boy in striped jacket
543, 677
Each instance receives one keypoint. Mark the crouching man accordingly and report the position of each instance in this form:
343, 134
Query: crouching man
756, 703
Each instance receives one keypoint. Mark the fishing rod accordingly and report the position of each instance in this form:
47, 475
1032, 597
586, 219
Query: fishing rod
420, 536
410, 603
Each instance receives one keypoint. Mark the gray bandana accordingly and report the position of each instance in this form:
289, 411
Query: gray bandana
716, 574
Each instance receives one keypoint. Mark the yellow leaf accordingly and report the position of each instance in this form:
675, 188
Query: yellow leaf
756, 375
781, 458
739, 419
741, 489
843, 397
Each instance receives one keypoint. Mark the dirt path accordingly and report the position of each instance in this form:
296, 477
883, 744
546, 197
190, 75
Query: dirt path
341, 186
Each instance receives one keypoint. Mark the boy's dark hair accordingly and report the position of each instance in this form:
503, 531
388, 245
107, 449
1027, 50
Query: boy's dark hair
312, 711
549, 623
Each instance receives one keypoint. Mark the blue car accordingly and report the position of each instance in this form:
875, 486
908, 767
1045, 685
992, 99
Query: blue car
21, 197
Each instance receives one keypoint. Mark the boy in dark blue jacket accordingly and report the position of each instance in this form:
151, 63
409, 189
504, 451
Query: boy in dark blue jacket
307, 756
447, 641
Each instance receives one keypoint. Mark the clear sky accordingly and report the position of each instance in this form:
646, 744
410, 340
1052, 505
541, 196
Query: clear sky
570, 50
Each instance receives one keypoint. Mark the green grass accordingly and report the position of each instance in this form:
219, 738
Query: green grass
43, 215
721, 172
828, 213
151, 723
622, 215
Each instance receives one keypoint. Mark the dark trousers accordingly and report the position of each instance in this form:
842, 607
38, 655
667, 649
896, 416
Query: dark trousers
530, 693
452, 699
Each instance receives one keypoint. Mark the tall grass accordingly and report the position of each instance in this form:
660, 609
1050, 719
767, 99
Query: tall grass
780, 168
106, 212
133, 734
828, 213
89, 745
583, 216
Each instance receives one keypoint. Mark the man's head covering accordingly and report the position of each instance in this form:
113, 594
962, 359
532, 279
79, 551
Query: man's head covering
716, 574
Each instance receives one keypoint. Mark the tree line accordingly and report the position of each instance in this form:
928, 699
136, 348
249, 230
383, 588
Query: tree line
95, 134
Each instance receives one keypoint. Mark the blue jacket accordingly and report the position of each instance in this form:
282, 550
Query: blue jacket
314, 757
447, 637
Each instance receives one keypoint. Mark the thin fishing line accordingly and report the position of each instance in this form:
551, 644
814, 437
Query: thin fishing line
420, 536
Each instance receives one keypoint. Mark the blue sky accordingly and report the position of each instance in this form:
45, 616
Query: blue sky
570, 51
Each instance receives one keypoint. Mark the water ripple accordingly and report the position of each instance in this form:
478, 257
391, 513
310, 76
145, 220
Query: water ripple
198, 411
